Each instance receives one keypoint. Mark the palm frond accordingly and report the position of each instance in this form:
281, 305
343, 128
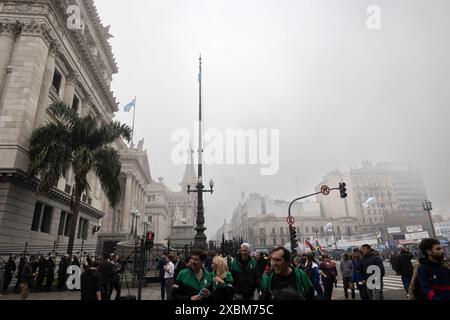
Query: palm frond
110, 132
50, 154
107, 167
64, 113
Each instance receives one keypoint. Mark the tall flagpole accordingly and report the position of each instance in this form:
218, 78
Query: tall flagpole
200, 236
134, 114
200, 134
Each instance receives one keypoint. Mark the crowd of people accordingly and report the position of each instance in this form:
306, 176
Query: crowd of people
247, 276
37, 274
278, 276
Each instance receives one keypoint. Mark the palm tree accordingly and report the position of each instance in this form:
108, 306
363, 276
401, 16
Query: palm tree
84, 145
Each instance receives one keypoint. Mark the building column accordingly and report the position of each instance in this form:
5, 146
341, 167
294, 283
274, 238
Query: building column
85, 106
8, 33
126, 214
46, 84
69, 90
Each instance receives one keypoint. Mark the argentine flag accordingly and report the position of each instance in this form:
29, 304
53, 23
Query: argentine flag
128, 107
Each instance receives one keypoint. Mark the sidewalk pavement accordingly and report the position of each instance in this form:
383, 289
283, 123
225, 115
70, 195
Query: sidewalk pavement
151, 292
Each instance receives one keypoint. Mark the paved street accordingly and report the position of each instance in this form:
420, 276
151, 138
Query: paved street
151, 292
393, 287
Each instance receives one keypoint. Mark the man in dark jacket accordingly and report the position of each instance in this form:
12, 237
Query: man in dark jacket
62, 272
368, 259
10, 268
245, 275
41, 272
50, 274
19, 273
91, 283
434, 271
261, 263
106, 270
404, 267
25, 278
160, 267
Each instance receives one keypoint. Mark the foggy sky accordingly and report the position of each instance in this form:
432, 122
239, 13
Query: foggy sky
338, 92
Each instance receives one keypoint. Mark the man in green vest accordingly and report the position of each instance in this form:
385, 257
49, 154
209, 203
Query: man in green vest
193, 283
285, 282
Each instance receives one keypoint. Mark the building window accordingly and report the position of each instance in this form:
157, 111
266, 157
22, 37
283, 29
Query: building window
62, 222
262, 242
83, 225
42, 218
321, 229
274, 242
56, 82
298, 230
273, 231
69, 220
338, 229
36, 216
46, 223
75, 103
262, 230
281, 230
307, 229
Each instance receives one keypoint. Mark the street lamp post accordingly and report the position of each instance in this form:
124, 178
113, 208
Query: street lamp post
134, 215
142, 257
427, 206
200, 236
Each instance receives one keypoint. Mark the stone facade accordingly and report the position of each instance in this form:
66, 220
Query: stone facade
41, 62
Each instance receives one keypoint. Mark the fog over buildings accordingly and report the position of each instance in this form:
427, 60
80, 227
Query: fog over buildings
338, 92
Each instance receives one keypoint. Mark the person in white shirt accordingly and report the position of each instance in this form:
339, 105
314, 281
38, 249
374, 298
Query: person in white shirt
169, 269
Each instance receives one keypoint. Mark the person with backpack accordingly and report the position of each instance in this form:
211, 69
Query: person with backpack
393, 261
405, 267
431, 277
285, 282
357, 277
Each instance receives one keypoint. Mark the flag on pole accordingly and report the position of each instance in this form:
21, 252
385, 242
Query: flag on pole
309, 244
318, 248
128, 107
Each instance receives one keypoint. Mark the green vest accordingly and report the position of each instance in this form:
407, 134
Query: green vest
303, 283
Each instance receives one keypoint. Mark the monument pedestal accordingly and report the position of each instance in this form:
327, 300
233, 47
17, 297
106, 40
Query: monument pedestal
182, 235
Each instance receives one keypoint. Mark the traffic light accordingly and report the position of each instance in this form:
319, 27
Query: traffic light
293, 233
343, 190
149, 238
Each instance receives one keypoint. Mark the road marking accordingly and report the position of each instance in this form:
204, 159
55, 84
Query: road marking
389, 283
